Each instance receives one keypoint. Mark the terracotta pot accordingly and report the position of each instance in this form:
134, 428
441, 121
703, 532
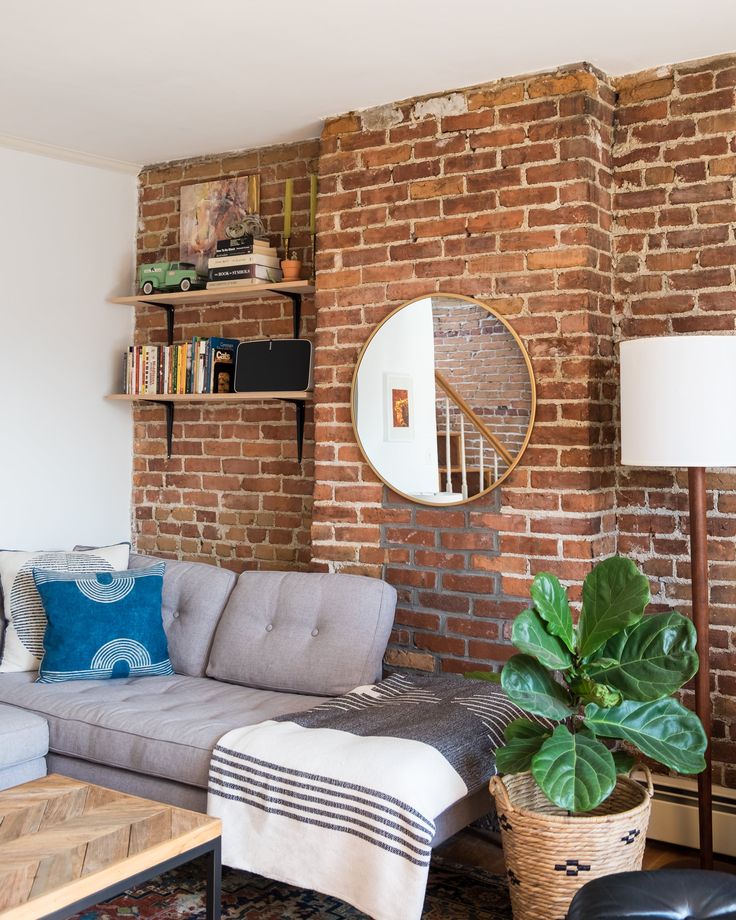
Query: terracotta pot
291, 268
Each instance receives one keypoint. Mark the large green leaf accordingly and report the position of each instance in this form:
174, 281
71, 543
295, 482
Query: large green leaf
615, 595
527, 683
651, 659
662, 729
550, 602
523, 740
575, 772
530, 636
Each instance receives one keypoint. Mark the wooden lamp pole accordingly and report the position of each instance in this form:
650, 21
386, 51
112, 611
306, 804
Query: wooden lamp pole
699, 579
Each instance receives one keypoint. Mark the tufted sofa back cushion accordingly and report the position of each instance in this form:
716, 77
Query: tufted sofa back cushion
303, 632
194, 596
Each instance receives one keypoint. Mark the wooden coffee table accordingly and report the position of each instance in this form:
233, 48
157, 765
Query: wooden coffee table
66, 845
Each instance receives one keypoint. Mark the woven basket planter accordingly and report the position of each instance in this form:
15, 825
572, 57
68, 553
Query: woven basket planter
550, 854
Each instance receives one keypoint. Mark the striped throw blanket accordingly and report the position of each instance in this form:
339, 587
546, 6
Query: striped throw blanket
343, 798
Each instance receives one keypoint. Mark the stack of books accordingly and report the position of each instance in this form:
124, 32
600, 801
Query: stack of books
243, 261
199, 366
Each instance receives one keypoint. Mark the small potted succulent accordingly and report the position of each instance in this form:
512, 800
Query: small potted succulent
566, 809
291, 266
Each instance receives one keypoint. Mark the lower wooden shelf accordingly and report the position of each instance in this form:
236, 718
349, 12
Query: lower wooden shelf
211, 397
168, 400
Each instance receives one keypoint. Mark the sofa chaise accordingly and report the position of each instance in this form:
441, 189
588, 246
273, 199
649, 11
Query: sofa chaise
244, 649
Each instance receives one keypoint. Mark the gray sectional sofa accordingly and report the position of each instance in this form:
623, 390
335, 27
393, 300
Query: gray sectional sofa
244, 649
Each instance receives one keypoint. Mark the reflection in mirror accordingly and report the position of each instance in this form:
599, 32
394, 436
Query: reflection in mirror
443, 399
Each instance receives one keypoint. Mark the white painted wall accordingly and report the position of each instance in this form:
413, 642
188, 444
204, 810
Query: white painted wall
67, 233
403, 345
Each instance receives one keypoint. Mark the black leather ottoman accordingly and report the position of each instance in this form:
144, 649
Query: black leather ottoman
667, 894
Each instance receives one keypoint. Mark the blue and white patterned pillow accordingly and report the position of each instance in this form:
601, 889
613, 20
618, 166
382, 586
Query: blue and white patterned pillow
103, 625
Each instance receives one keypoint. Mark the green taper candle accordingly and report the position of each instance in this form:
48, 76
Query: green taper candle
288, 193
313, 204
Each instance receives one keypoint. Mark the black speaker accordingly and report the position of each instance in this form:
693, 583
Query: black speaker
273, 365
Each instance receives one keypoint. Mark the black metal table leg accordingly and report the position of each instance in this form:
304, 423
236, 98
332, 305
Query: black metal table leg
212, 851
214, 882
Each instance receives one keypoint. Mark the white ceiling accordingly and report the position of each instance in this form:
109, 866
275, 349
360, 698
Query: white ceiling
141, 81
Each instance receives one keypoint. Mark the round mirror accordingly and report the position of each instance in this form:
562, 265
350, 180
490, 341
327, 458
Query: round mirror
443, 399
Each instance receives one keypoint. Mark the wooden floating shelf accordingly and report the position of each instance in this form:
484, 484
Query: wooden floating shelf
218, 295
211, 397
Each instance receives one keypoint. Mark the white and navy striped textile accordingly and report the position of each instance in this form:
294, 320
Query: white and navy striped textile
343, 798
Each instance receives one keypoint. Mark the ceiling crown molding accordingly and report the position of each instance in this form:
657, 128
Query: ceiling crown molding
71, 156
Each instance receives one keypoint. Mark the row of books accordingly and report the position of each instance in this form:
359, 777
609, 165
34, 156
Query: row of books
242, 261
199, 366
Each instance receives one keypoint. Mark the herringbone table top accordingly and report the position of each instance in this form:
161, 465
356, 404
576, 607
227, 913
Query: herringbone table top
62, 840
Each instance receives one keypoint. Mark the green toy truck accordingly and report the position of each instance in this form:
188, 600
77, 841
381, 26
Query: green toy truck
169, 276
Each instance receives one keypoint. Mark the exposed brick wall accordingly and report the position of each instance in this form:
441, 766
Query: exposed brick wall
675, 163
233, 492
500, 192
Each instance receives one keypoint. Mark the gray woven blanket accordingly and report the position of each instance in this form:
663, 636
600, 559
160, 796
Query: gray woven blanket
343, 798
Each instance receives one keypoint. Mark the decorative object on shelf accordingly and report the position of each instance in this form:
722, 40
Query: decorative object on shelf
313, 219
274, 365
469, 402
207, 208
242, 260
251, 225
169, 276
613, 676
291, 267
199, 366
288, 196
677, 410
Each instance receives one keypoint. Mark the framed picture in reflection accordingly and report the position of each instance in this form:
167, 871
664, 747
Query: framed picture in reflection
398, 396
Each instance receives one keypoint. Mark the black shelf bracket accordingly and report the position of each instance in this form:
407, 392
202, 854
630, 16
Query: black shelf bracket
169, 308
296, 305
299, 407
169, 422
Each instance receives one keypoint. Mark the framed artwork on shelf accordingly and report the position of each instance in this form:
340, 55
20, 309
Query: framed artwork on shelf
207, 209
398, 395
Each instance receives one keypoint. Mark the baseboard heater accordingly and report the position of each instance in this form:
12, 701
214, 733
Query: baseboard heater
675, 814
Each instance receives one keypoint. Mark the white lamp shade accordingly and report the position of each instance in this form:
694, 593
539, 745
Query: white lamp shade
678, 401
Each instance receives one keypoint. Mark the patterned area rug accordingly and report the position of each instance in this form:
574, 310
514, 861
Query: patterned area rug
454, 893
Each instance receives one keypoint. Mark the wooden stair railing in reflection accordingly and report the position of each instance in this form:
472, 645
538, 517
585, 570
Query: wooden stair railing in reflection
472, 417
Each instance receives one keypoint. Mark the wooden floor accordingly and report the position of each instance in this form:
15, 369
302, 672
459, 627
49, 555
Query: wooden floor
479, 848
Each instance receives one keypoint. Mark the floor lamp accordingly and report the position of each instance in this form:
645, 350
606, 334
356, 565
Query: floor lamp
678, 409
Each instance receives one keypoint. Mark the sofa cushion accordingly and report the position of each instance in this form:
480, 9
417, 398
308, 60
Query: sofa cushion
194, 597
26, 621
161, 726
24, 736
303, 632
103, 625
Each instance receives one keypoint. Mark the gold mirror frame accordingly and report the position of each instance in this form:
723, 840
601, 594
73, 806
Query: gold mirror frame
532, 411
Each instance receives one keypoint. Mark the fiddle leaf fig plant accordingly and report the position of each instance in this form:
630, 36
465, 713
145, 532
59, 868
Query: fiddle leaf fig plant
612, 676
